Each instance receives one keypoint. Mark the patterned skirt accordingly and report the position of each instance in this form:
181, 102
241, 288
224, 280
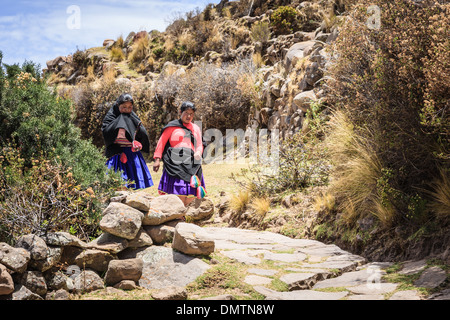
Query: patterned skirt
135, 168
174, 185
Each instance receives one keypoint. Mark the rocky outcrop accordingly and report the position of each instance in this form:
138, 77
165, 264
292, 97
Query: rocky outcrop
58, 265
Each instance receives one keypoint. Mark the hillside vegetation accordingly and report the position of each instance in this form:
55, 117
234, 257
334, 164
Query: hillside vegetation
362, 111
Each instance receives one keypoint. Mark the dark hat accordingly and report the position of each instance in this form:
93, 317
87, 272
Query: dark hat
125, 98
187, 105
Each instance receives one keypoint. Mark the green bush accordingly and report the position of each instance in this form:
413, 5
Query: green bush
36, 125
284, 20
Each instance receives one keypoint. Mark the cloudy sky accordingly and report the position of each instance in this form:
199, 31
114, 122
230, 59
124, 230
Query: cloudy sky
39, 30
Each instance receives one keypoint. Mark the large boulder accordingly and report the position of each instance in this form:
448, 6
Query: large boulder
296, 53
34, 244
63, 239
139, 200
121, 220
200, 209
164, 208
128, 269
34, 281
162, 233
88, 281
165, 267
97, 260
15, 259
192, 239
304, 99
53, 257
6, 281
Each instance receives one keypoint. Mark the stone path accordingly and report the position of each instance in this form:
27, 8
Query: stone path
309, 269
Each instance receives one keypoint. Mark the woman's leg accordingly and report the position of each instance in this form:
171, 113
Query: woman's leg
186, 200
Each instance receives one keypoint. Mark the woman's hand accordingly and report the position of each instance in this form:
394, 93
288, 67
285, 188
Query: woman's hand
156, 165
197, 155
137, 146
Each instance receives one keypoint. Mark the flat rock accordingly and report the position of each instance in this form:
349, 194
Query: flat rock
406, 295
262, 272
108, 242
285, 257
63, 239
347, 279
220, 297
299, 294
304, 280
341, 266
257, 280
373, 288
164, 267
443, 295
242, 256
412, 267
431, 278
366, 297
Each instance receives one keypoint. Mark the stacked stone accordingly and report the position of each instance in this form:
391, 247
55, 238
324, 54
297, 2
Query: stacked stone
59, 264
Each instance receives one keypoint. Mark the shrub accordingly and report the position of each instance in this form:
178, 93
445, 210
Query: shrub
80, 60
260, 205
302, 164
284, 20
117, 54
36, 127
391, 85
222, 103
260, 32
44, 197
239, 201
139, 51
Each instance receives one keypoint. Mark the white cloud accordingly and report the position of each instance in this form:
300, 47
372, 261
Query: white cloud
39, 31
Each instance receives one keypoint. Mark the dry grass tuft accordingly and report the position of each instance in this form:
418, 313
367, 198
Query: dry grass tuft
239, 201
260, 205
440, 195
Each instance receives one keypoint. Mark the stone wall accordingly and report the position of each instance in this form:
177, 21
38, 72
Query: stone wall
58, 265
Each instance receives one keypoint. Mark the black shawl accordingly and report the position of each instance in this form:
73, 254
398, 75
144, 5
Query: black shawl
134, 130
180, 162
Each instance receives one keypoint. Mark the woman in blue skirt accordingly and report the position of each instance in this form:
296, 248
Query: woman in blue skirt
125, 137
180, 147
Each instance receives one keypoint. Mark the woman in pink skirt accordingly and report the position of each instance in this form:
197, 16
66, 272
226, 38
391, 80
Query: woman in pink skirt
180, 147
